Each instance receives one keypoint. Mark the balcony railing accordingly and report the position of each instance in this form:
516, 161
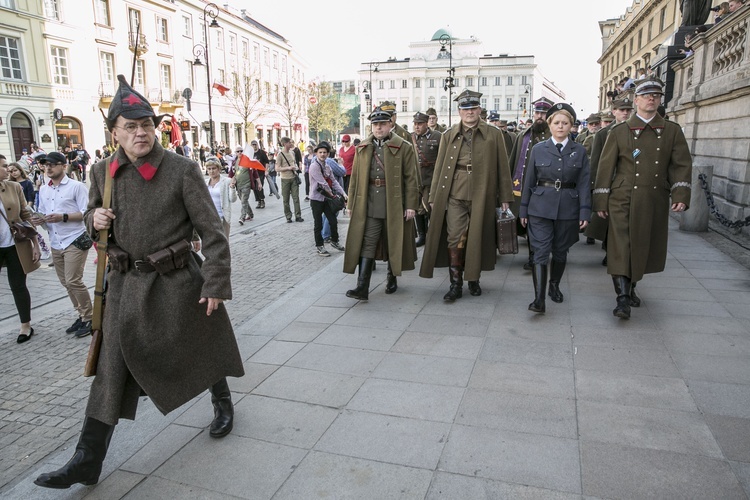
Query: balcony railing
137, 43
16, 89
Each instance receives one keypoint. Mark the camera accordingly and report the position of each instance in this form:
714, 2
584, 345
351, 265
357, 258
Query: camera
715, 9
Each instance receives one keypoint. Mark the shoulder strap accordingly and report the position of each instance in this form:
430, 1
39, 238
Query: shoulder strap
101, 250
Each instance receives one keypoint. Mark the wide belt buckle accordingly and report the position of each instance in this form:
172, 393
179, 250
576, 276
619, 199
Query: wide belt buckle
468, 168
377, 182
558, 185
142, 266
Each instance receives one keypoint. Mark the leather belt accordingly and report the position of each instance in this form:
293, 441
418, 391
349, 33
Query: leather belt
143, 266
558, 184
428, 165
377, 182
467, 168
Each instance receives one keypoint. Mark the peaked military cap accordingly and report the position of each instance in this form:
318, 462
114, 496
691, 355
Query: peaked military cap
388, 106
379, 115
624, 103
128, 103
542, 105
561, 106
420, 117
468, 99
431, 112
608, 117
649, 86
594, 118
494, 117
504, 123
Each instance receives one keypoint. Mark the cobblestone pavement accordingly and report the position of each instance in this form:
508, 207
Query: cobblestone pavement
42, 391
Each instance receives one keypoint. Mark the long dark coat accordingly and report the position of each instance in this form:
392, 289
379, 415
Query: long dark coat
513, 157
642, 165
172, 350
490, 185
597, 228
401, 188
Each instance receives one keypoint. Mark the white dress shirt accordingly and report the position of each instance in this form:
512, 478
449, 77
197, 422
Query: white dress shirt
70, 196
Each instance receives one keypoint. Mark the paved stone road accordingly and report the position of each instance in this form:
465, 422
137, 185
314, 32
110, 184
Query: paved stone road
42, 391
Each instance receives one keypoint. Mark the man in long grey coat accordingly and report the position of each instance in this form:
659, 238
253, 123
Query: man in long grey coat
166, 331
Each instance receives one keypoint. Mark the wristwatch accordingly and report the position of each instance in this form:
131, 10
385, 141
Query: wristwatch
65, 217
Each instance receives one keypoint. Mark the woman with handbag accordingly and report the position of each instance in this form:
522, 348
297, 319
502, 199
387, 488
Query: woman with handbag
19, 257
221, 194
555, 202
323, 189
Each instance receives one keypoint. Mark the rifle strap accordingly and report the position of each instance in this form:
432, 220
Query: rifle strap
101, 252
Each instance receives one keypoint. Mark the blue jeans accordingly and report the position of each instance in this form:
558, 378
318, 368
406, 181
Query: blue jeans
326, 232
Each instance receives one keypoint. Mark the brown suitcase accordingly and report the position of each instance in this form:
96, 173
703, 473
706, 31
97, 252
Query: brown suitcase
507, 237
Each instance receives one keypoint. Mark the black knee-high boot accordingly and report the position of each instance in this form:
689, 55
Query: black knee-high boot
555, 275
539, 275
455, 271
363, 280
391, 285
221, 398
421, 222
622, 288
86, 464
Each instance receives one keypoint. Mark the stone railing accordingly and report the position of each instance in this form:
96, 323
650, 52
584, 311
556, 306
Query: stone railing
15, 89
711, 101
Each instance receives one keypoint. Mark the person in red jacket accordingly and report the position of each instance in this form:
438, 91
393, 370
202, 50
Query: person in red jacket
346, 153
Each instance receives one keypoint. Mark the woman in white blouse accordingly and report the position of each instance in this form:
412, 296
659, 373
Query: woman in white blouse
221, 193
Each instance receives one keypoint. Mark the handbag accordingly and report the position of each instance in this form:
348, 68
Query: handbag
297, 180
336, 203
507, 237
21, 231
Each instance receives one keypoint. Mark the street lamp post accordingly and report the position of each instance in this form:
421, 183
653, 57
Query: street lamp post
446, 39
369, 86
210, 11
527, 87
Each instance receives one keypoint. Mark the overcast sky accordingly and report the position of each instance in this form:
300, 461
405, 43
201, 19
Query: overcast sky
335, 36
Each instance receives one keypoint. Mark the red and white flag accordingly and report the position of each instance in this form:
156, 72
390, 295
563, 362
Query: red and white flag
221, 88
245, 161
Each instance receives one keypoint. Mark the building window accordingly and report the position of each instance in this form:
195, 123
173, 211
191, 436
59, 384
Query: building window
134, 20
404, 106
107, 66
431, 83
166, 81
496, 102
483, 102
219, 39
483, 81
140, 75
52, 9
102, 12
524, 80
10, 58
266, 56
650, 29
222, 76
59, 65
417, 83
275, 60
245, 49
662, 19
8, 4
632, 40
191, 74
404, 84
393, 84
256, 52
380, 85
523, 103
443, 104
232, 43
469, 81
498, 81
457, 82
640, 38
162, 29
187, 26
283, 63
430, 102
276, 94
268, 92
510, 80
508, 104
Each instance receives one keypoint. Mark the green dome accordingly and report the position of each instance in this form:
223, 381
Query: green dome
440, 33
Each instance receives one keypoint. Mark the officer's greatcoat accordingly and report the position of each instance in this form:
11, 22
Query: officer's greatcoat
490, 185
598, 227
641, 167
156, 335
401, 187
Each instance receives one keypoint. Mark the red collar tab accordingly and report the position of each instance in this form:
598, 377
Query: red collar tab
113, 166
146, 170
394, 147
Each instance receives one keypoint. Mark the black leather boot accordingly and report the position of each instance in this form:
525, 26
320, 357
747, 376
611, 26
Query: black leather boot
221, 398
635, 301
539, 275
455, 271
555, 275
86, 464
363, 279
474, 288
622, 288
391, 285
421, 222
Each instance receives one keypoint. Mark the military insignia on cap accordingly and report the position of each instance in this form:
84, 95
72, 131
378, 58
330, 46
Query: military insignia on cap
559, 106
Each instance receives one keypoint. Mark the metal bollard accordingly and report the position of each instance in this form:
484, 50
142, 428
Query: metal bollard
695, 220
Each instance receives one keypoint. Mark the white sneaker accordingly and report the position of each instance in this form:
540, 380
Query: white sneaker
323, 252
335, 244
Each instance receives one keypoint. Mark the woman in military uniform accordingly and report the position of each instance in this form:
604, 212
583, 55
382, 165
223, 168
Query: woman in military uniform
555, 203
